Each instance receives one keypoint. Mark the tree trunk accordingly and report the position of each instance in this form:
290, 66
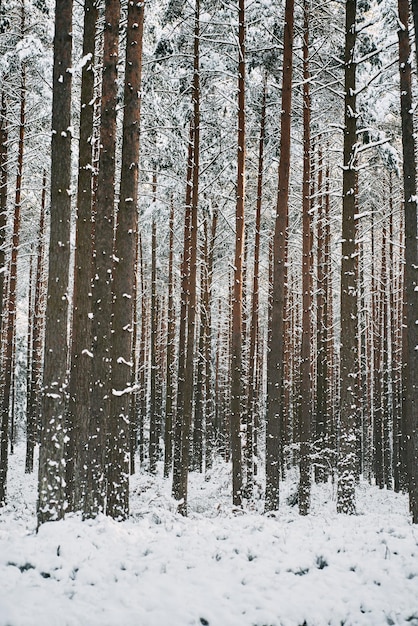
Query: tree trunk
348, 357
51, 490
171, 330
410, 400
124, 274
305, 365
276, 322
80, 364
254, 320
103, 260
236, 338
154, 410
33, 406
191, 308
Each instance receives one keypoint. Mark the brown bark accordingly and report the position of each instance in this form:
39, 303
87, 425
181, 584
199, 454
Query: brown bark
3, 196
185, 271
103, 215
124, 274
10, 321
410, 371
191, 308
154, 412
51, 491
254, 315
33, 407
170, 348
305, 361
237, 296
275, 340
80, 357
348, 316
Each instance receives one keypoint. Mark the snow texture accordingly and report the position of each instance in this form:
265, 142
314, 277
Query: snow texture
216, 567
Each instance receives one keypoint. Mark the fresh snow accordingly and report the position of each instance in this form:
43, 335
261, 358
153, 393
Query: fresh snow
218, 566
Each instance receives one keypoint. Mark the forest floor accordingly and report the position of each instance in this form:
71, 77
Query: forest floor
217, 567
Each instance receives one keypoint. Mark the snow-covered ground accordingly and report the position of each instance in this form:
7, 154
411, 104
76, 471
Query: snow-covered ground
216, 567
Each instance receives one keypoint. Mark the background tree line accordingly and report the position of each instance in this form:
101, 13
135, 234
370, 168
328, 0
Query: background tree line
242, 284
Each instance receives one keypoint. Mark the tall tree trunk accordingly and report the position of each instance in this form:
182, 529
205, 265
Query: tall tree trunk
142, 356
171, 331
191, 308
124, 273
80, 358
154, 409
33, 407
254, 320
348, 358
275, 340
102, 283
3, 196
10, 323
184, 289
210, 408
410, 400
51, 489
305, 365
236, 344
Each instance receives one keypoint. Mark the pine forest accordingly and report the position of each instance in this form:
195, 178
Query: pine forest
209, 310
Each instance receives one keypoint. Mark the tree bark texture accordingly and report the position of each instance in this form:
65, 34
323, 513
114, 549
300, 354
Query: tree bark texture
51, 483
276, 321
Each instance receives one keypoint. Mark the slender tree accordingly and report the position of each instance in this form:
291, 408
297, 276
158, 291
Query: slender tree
192, 275
170, 348
237, 293
254, 319
348, 316
35, 379
410, 370
305, 384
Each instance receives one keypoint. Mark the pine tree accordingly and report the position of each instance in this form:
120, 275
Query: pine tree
51, 482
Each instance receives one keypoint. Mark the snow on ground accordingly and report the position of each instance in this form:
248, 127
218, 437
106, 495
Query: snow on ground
216, 567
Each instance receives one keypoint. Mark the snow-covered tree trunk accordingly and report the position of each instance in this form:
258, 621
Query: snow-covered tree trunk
51, 482
80, 365
305, 361
237, 295
124, 273
276, 323
103, 266
410, 400
348, 317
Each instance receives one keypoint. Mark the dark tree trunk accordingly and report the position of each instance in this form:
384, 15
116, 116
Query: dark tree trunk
80, 364
51, 491
192, 278
210, 408
154, 409
33, 407
276, 321
10, 321
305, 361
171, 330
103, 265
185, 271
236, 343
254, 320
3, 196
124, 274
348, 357
410, 400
